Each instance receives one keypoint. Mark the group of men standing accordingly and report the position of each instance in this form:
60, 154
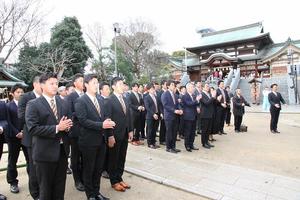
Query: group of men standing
94, 126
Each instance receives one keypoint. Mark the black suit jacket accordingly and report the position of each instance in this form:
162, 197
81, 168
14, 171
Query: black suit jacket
115, 113
134, 104
3, 120
150, 107
27, 138
91, 131
41, 124
207, 106
13, 121
227, 99
238, 109
71, 99
273, 99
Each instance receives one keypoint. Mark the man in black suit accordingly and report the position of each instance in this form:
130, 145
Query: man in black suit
275, 100
239, 104
171, 110
104, 89
27, 138
162, 128
137, 107
152, 115
92, 118
76, 157
47, 119
221, 107
13, 138
207, 110
118, 111
190, 103
3, 129
198, 91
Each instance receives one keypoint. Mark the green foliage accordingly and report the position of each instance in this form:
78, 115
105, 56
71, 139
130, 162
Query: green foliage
67, 35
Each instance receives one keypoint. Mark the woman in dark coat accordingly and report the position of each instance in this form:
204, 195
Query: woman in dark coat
239, 104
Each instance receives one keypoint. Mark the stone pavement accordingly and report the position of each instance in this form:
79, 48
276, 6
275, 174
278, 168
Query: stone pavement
209, 178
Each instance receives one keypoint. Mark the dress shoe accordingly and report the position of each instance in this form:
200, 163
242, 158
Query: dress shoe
224, 133
135, 143
105, 174
194, 148
177, 150
162, 143
151, 146
188, 149
125, 185
276, 131
118, 187
2, 197
69, 171
14, 189
80, 187
101, 197
171, 151
272, 131
210, 145
157, 146
140, 142
206, 146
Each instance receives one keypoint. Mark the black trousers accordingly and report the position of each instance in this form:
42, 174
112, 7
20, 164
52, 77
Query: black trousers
198, 123
237, 122
227, 115
14, 147
32, 176
181, 126
93, 162
220, 118
116, 160
137, 127
76, 160
52, 177
143, 124
1, 149
189, 133
206, 126
151, 131
162, 131
170, 134
274, 118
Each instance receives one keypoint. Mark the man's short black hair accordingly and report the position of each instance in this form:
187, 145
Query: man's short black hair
169, 82
155, 83
149, 86
274, 84
181, 87
15, 87
89, 77
71, 84
102, 84
36, 79
220, 81
77, 76
135, 84
45, 77
115, 80
163, 82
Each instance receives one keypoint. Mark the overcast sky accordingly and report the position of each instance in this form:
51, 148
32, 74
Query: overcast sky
176, 20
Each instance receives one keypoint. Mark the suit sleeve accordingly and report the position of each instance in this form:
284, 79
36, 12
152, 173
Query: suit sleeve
108, 114
11, 126
148, 106
206, 101
132, 106
282, 100
32, 119
82, 115
21, 110
165, 104
187, 101
271, 99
